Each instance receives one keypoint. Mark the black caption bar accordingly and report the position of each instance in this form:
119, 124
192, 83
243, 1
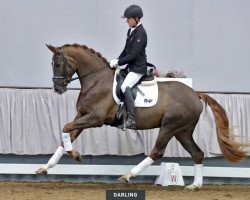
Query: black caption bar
125, 194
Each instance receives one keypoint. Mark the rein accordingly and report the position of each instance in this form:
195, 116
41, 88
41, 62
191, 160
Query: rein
92, 72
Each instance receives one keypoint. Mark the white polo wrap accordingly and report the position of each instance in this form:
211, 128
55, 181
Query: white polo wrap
67, 142
141, 166
55, 158
198, 174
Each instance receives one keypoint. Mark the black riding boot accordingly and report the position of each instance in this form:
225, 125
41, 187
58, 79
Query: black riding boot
130, 106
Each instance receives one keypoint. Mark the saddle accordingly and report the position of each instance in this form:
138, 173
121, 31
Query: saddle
145, 94
121, 77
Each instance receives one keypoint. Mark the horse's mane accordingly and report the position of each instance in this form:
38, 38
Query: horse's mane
87, 48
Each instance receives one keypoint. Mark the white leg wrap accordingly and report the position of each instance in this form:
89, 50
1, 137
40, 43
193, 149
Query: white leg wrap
55, 158
141, 166
198, 174
67, 142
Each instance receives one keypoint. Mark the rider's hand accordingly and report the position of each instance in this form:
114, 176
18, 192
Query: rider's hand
113, 63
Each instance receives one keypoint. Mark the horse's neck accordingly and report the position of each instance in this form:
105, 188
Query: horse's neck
93, 69
88, 62
97, 83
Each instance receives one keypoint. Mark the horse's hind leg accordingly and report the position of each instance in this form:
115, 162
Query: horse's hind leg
187, 141
165, 134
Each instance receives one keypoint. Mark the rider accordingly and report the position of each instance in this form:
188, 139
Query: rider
134, 57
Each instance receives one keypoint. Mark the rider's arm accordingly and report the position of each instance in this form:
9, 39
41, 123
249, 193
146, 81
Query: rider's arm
139, 45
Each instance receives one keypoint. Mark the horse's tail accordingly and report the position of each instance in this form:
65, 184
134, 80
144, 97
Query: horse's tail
230, 149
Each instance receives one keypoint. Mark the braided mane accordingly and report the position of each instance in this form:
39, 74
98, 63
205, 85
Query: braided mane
87, 48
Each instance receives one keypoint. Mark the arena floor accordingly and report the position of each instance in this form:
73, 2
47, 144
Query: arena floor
97, 191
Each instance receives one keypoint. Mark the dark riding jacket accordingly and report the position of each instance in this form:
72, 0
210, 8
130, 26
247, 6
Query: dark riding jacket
134, 53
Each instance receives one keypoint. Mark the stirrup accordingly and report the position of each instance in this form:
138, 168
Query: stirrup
130, 124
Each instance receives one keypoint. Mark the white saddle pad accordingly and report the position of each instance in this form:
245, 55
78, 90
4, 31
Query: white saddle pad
147, 99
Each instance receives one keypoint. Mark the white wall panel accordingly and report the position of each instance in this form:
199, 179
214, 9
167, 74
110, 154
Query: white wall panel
209, 40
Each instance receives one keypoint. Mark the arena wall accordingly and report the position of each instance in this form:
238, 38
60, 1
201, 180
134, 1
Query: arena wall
208, 40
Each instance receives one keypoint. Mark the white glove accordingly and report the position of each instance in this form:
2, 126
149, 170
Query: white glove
113, 63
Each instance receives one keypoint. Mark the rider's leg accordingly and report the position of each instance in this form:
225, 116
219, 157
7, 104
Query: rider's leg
130, 106
130, 80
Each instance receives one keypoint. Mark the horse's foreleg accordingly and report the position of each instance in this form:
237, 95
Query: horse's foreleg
59, 153
157, 152
75, 127
87, 121
67, 139
52, 161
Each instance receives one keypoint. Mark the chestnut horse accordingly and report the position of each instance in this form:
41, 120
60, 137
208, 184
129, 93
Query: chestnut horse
176, 112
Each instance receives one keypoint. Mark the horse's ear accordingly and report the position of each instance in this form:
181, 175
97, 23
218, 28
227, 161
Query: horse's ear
53, 49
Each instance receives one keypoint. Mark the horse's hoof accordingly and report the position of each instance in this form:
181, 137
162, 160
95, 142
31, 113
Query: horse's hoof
79, 157
193, 187
125, 178
76, 156
42, 171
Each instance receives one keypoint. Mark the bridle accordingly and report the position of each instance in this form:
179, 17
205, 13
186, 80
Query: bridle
66, 64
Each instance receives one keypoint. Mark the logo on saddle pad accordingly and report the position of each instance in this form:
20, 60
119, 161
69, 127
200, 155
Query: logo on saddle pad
147, 94
148, 100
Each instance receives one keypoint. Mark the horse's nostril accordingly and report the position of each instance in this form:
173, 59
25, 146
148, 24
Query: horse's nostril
56, 90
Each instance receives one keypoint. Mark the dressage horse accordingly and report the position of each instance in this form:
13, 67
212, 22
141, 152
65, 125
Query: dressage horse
176, 112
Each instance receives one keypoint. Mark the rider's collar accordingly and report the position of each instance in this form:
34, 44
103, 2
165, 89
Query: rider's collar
133, 28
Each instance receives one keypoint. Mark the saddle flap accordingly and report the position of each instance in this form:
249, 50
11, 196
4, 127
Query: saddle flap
146, 94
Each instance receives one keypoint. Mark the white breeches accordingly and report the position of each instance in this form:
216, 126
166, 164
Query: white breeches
131, 79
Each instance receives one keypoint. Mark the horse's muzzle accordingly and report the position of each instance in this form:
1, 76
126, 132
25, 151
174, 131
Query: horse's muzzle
59, 91
60, 85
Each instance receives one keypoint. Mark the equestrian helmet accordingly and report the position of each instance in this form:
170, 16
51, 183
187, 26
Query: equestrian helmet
133, 11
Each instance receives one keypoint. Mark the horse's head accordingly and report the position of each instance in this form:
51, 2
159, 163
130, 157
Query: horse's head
63, 69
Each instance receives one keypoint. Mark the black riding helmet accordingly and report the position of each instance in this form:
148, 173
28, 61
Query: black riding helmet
133, 11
